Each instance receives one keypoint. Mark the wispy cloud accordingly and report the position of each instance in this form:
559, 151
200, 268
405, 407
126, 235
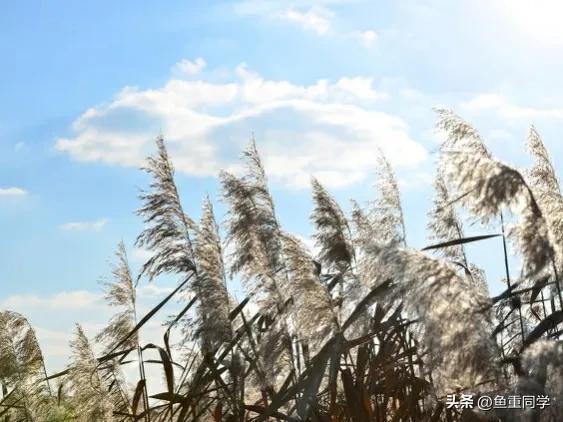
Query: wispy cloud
12, 191
84, 225
335, 127
314, 16
78, 299
504, 108
314, 20
188, 67
140, 255
368, 37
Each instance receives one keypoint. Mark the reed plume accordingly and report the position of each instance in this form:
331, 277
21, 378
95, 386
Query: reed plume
542, 366
338, 252
214, 304
168, 230
486, 186
444, 224
91, 398
387, 211
547, 191
315, 316
452, 313
120, 292
254, 236
27, 395
460, 135
332, 233
253, 232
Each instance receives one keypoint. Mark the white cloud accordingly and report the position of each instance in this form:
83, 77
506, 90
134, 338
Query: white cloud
140, 255
189, 67
19, 146
328, 129
152, 291
313, 20
500, 104
12, 191
367, 38
315, 16
53, 316
254, 7
84, 225
78, 299
349, 89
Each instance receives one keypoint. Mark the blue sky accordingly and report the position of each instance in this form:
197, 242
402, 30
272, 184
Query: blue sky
87, 86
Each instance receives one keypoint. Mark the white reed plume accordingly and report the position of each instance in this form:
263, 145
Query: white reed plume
27, 395
91, 398
444, 224
485, 186
120, 292
313, 308
253, 233
547, 191
332, 233
214, 305
168, 230
386, 212
453, 315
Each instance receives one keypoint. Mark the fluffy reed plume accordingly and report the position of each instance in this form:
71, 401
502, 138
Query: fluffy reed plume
542, 176
22, 369
336, 243
542, 364
386, 212
453, 316
274, 357
460, 135
362, 230
169, 230
332, 234
444, 224
91, 399
365, 235
315, 316
381, 223
213, 311
120, 292
485, 186
477, 276
545, 185
253, 232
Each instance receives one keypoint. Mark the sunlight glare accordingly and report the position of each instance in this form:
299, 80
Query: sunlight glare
539, 19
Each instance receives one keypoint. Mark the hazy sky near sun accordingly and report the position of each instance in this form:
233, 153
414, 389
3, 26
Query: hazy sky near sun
87, 86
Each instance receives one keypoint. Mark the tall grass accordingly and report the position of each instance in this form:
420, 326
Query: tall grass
364, 328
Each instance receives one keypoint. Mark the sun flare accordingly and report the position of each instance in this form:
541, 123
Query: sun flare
540, 19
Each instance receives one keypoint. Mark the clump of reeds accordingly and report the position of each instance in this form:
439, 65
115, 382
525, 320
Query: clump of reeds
364, 329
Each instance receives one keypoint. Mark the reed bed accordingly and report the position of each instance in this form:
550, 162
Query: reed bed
364, 328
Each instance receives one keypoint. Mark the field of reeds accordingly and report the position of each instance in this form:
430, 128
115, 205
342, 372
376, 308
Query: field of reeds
363, 329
